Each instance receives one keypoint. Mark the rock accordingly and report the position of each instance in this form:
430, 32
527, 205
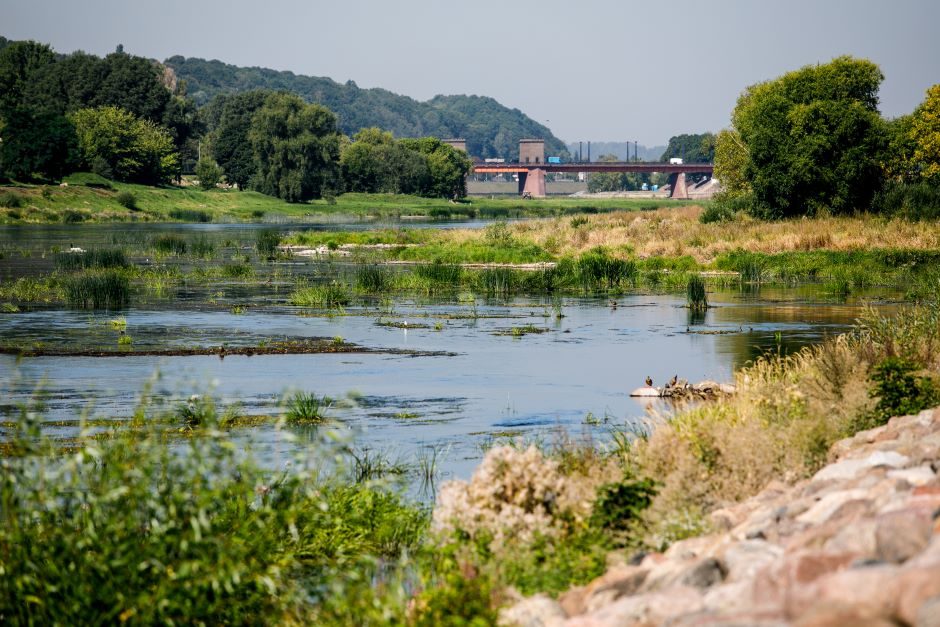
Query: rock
841, 616
647, 609
607, 588
929, 613
918, 476
870, 590
733, 596
901, 535
537, 611
829, 505
774, 584
917, 587
647, 391
744, 559
850, 468
705, 574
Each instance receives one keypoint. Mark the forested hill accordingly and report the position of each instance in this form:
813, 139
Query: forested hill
491, 130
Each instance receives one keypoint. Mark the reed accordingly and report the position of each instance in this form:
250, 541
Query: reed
695, 293
96, 258
306, 408
104, 290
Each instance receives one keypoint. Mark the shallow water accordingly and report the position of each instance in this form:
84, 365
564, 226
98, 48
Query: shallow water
497, 385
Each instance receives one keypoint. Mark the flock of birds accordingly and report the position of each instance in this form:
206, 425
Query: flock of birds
672, 381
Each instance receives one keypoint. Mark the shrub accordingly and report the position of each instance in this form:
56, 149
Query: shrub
10, 200
915, 201
209, 173
899, 391
619, 505
127, 200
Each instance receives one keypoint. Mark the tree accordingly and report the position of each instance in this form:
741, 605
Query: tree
731, 158
691, 148
20, 62
924, 135
447, 167
229, 139
209, 173
376, 162
36, 145
813, 139
296, 149
133, 149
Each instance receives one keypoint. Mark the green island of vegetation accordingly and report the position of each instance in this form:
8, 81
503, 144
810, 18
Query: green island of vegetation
166, 518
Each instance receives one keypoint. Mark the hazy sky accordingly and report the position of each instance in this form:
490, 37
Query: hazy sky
602, 70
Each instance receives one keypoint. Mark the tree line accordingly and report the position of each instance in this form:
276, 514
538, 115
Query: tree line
130, 119
813, 141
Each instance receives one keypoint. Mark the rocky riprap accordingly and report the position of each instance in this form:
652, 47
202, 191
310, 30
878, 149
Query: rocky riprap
857, 544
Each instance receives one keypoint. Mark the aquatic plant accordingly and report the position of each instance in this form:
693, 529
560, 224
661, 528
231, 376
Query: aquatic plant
306, 408
125, 340
170, 244
695, 293
371, 465
330, 295
202, 247
95, 258
102, 290
190, 215
374, 278
267, 242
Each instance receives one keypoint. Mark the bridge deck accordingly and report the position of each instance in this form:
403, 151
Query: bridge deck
667, 168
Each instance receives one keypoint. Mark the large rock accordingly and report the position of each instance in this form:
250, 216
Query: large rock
537, 611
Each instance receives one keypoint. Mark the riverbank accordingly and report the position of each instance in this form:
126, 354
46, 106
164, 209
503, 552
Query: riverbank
93, 199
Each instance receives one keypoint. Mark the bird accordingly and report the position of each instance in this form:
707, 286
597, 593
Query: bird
674, 380
649, 381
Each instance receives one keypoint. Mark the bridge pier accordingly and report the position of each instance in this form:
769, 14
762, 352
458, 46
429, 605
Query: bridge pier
680, 190
534, 183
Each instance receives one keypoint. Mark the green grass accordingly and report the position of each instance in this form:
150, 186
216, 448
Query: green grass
97, 200
306, 408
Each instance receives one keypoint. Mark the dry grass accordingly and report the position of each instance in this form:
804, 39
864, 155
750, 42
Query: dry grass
677, 231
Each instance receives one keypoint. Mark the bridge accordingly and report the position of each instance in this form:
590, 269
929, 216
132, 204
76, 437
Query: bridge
532, 167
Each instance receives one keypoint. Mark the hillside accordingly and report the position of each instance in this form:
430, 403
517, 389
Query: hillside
491, 130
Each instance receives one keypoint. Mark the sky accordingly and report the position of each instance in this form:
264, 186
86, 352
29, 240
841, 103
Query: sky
601, 70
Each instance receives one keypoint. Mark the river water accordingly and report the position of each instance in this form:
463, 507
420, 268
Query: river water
574, 377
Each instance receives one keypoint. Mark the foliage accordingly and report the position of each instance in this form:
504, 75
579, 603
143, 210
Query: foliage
491, 130
698, 148
170, 244
296, 149
229, 138
924, 134
332, 295
813, 139
133, 149
36, 145
134, 525
731, 159
127, 200
375, 162
95, 258
619, 505
899, 391
914, 200
209, 173
10, 200
447, 167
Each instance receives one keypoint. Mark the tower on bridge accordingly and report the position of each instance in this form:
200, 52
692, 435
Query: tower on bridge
531, 151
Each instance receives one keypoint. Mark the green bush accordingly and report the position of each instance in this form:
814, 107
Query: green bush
899, 391
723, 210
209, 173
10, 200
619, 505
915, 201
127, 200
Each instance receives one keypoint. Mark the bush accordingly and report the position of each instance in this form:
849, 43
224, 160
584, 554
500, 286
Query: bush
899, 392
127, 200
209, 173
11, 200
915, 201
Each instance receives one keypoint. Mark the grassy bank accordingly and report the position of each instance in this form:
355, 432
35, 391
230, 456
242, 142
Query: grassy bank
87, 198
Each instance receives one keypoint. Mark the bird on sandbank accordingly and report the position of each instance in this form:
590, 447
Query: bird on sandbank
649, 381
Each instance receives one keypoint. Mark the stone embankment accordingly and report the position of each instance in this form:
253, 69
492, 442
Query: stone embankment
856, 544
